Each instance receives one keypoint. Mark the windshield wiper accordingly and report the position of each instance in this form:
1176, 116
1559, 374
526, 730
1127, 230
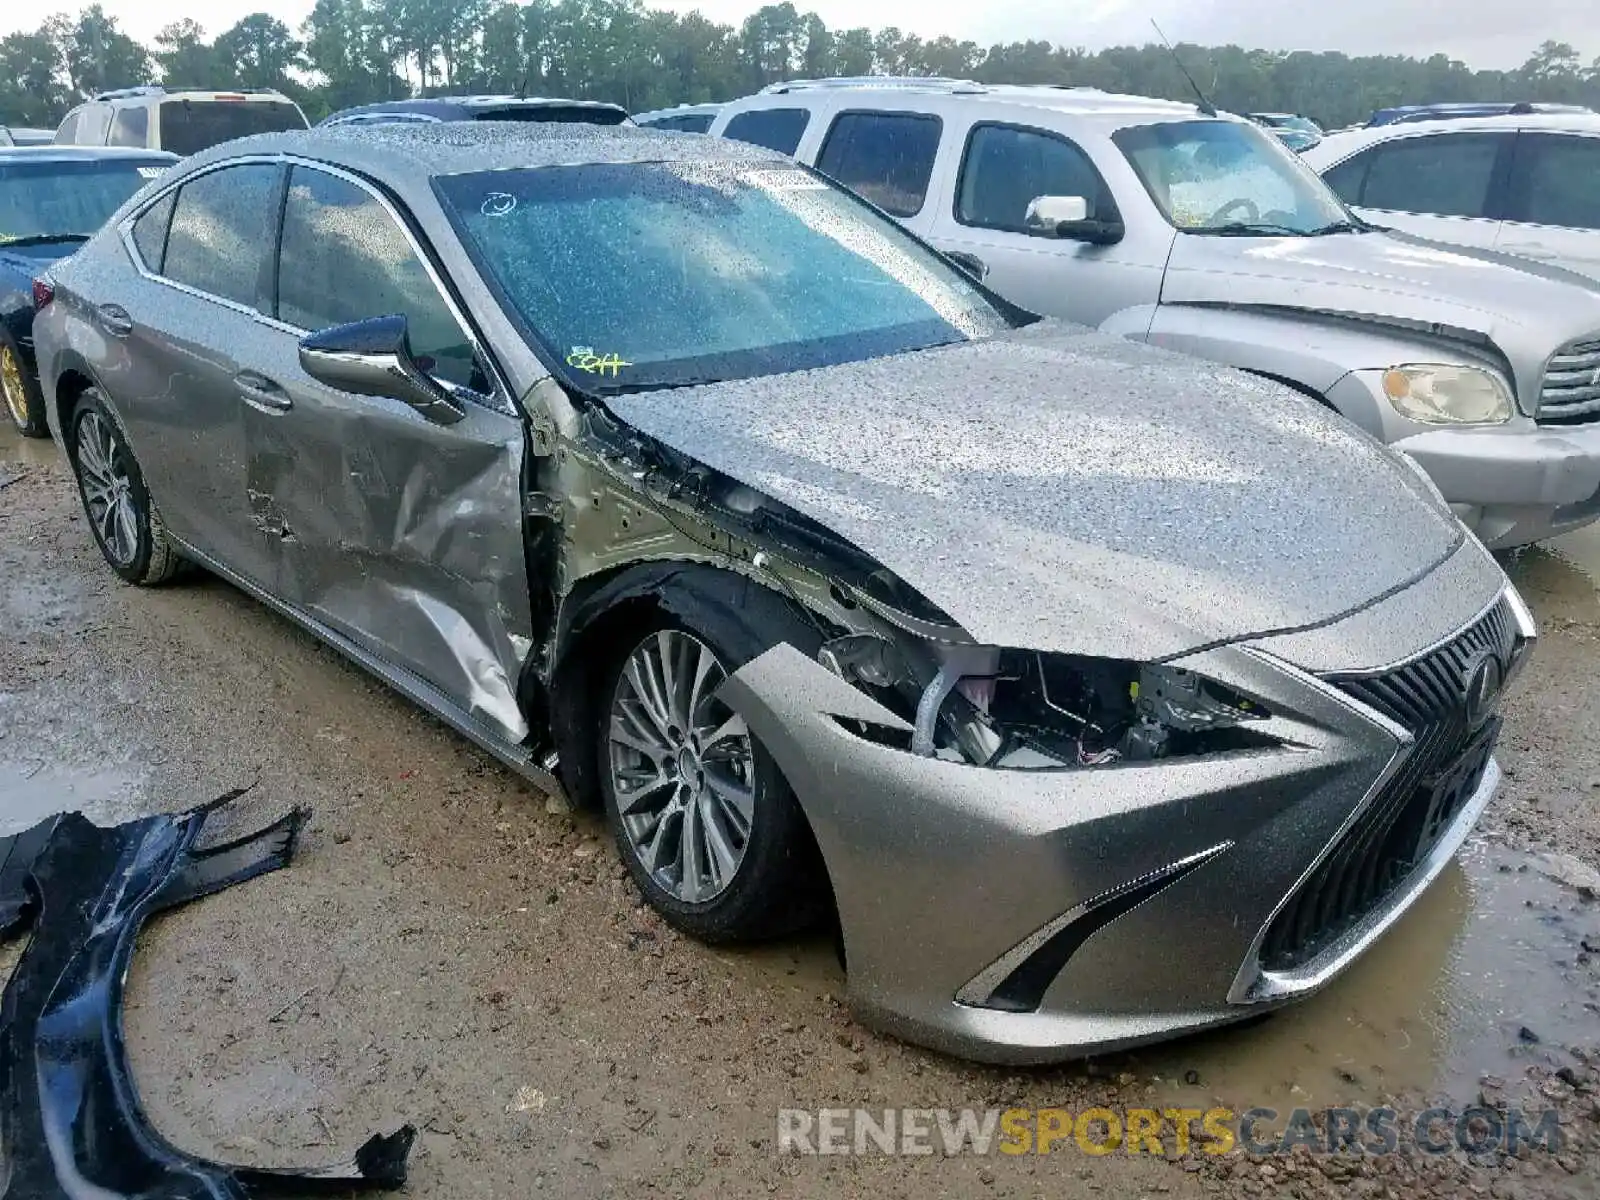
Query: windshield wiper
1338, 227
44, 239
1248, 229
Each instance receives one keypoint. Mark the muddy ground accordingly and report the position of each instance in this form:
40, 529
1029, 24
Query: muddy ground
453, 949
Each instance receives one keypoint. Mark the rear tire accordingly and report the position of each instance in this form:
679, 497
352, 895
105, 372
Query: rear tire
705, 822
125, 522
23, 403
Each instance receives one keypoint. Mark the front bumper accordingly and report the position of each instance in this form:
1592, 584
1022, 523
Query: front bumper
1132, 900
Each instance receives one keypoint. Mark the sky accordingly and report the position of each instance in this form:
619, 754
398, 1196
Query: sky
1482, 33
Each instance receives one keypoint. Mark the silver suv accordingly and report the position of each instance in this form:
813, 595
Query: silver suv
1524, 182
179, 122
1158, 221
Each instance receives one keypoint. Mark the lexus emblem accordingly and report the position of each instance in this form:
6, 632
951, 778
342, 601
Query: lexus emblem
1484, 675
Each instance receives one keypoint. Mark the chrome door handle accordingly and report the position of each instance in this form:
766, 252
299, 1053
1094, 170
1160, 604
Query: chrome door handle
114, 319
262, 392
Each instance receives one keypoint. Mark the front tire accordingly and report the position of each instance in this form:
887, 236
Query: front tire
24, 404
705, 822
126, 525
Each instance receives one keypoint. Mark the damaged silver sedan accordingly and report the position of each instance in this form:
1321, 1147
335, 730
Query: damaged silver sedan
1102, 693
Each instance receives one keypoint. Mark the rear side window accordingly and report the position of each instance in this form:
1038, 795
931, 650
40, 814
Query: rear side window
130, 126
150, 231
1446, 175
777, 129
190, 126
885, 157
67, 131
1006, 168
221, 232
696, 123
344, 259
1556, 181
1349, 177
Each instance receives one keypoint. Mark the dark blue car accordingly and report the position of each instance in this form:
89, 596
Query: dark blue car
52, 198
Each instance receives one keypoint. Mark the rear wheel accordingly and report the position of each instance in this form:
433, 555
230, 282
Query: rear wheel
125, 522
24, 404
704, 820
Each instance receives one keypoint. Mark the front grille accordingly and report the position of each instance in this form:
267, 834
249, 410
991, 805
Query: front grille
1570, 394
1404, 821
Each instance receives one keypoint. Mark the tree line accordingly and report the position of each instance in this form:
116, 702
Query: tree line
356, 51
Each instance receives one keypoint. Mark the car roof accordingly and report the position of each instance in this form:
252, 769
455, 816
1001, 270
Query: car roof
1345, 142
459, 105
156, 93
417, 151
1079, 100
68, 153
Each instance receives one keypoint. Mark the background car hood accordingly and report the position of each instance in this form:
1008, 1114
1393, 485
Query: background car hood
30, 260
1526, 309
1061, 489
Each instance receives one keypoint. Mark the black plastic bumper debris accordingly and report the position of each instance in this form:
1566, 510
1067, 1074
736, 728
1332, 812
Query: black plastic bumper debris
70, 1123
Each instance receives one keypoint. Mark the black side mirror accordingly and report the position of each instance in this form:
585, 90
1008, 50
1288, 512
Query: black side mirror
373, 358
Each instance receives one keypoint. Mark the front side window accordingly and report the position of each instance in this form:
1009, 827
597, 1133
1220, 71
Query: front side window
1229, 178
777, 129
66, 201
1444, 175
221, 231
885, 157
1557, 181
130, 126
190, 126
1006, 168
657, 275
344, 259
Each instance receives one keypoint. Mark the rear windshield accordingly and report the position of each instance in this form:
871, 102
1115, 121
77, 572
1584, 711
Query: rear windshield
575, 114
67, 199
658, 275
190, 126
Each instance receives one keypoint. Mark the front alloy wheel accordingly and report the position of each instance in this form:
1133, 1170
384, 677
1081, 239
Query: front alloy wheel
682, 768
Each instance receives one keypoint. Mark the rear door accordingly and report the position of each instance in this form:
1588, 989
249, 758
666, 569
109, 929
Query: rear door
401, 534
1553, 200
1449, 186
174, 332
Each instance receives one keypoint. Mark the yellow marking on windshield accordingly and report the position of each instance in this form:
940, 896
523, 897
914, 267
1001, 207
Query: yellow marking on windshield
584, 358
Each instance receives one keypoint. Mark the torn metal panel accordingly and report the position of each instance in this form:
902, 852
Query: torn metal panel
70, 1123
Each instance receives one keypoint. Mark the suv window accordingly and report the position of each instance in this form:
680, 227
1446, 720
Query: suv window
67, 131
92, 125
777, 129
345, 259
1445, 175
130, 126
885, 157
699, 123
1005, 168
150, 231
220, 232
190, 126
1556, 181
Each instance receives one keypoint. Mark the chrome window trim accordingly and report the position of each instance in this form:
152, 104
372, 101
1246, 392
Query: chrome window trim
500, 398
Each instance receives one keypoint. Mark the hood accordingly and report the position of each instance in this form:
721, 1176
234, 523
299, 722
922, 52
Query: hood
1065, 490
1525, 308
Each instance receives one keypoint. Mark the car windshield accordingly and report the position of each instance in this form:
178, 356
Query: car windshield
650, 275
190, 126
1230, 178
66, 200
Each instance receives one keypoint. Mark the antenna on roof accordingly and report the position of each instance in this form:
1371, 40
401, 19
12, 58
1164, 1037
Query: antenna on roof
1205, 105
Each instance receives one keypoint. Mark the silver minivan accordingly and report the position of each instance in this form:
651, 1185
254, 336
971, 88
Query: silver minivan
1168, 224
